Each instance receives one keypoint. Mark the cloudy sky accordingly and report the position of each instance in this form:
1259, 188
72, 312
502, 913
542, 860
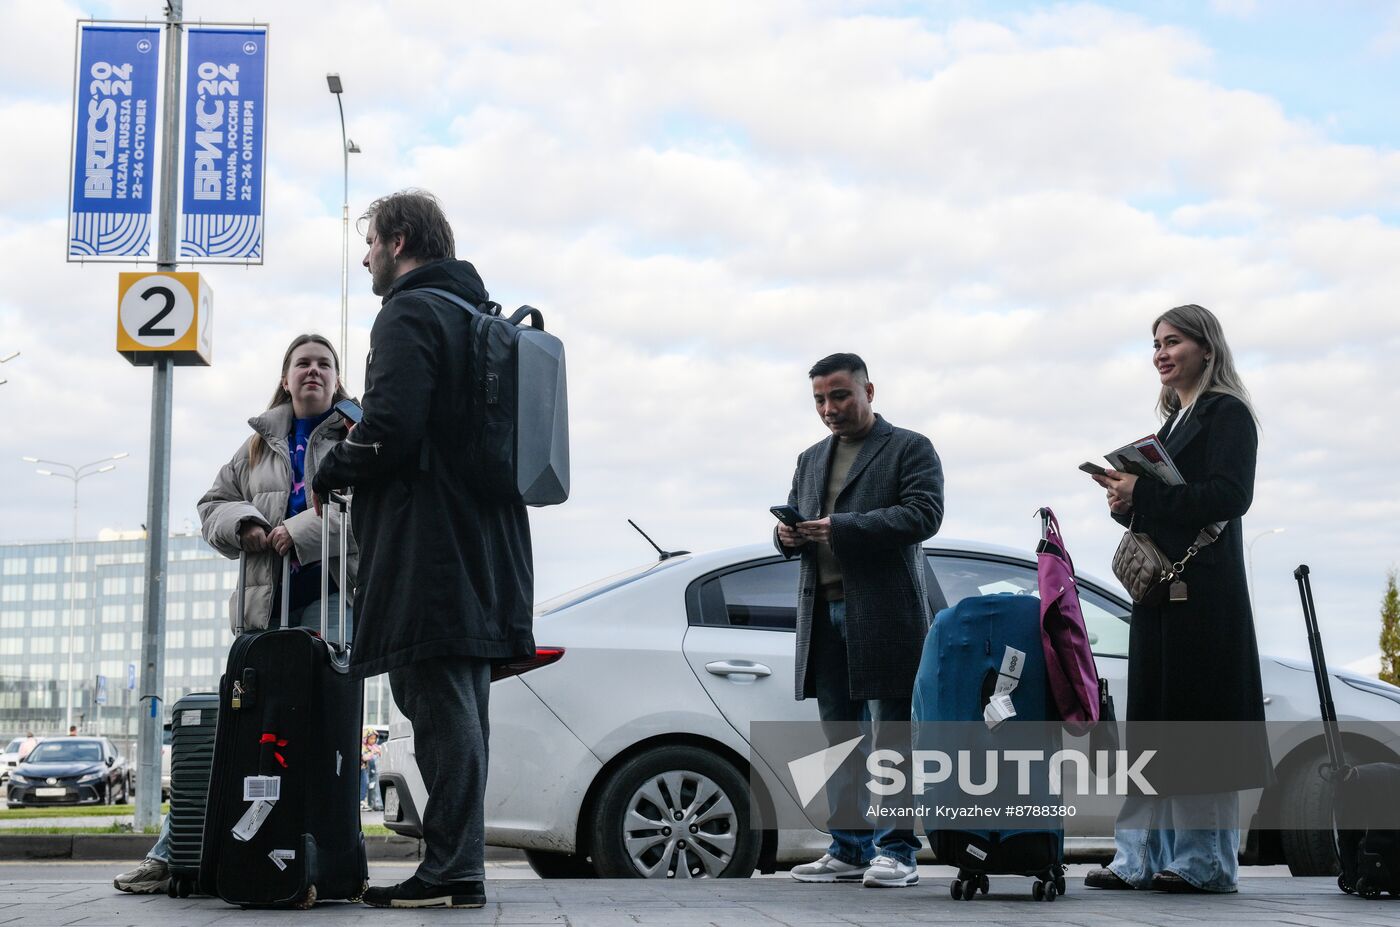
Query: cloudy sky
989, 201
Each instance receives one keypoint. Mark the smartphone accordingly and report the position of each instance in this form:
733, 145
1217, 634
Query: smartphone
351, 410
787, 514
1093, 469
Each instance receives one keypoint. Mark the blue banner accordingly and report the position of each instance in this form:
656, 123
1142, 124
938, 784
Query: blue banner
221, 196
115, 142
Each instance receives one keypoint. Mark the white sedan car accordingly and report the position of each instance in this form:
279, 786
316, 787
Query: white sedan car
622, 749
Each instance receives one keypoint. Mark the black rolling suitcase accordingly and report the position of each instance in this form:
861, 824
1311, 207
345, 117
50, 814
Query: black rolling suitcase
283, 827
192, 725
1370, 859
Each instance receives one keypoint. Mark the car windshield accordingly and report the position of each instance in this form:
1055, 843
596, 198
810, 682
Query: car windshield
65, 752
584, 593
14, 745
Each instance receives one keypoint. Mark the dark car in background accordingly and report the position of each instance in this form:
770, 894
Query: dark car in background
71, 771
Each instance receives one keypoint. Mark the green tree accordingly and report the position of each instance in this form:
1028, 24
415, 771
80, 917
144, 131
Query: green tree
1390, 631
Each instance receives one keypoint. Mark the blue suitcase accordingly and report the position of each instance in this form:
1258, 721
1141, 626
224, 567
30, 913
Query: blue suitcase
963, 656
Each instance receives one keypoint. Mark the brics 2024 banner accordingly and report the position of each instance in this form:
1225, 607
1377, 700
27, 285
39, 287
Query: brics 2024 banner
221, 191
115, 139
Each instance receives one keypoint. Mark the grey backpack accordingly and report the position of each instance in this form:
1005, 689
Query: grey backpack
519, 421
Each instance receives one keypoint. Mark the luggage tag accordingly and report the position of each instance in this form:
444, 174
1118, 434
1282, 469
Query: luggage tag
1000, 709
1176, 591
252, 820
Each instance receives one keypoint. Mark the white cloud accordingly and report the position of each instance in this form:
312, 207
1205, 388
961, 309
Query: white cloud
990, 212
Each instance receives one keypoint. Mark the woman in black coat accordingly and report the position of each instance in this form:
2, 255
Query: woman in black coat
1192, 657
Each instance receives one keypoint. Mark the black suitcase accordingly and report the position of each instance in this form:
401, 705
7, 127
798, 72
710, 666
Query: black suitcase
192, 725
283, 827
1370, 859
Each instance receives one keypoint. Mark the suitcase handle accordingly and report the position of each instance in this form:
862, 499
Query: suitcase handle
337, 504
239, 626
1331, 731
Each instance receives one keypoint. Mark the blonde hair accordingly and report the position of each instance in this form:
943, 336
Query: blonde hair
1219, 376
256, 444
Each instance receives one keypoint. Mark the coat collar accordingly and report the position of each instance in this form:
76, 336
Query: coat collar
275, 425
874, 441
1182, 436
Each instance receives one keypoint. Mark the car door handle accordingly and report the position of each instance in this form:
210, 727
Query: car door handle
737, 668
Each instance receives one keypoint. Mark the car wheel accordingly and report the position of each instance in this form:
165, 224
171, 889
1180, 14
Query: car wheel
1309, 850
674, 812
126, 791
560, 865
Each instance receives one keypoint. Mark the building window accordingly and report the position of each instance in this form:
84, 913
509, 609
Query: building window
16, 566
113, 613
11, 645
78, 564
79, 590
44, 592
206, 582
202, 638
41, 619
114, 585
179, 582
174, 640
13, 592
113, 640
45, 564
41, 644
203, 610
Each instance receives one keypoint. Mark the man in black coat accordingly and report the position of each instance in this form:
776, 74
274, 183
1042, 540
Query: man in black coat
872, 494
446, 582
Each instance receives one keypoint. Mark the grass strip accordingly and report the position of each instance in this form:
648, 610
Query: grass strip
71, 811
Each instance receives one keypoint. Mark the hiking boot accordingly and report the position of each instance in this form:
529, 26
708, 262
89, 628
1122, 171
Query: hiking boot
1104, 877
828, 869
149, 878
413, 892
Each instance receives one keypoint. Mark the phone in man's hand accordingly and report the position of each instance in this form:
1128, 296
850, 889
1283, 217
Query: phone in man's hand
787, 514
1093, 469
351, 410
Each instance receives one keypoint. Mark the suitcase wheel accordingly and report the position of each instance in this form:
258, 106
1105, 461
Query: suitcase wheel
1345, 886
360, 895
1038, 890
307, 901
1060, 884
985, 883
957, 890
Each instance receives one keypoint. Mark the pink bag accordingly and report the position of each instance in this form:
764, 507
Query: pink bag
1069, 661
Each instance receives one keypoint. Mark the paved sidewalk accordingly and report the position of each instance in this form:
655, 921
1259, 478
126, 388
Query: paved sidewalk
48, 898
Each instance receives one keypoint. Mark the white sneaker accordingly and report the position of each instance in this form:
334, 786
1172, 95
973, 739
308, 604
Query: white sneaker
828, 869
885, 872
149, 878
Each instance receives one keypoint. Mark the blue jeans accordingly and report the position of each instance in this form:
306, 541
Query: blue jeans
1147, 842
161, 849
831, 677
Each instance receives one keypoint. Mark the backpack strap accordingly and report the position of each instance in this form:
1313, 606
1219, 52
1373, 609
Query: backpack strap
488, 308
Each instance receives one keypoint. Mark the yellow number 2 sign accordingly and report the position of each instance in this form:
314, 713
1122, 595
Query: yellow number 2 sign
164, 315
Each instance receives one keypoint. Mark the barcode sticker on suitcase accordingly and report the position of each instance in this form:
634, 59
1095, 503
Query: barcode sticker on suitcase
973, 850
248, 825
262, 788
191, 717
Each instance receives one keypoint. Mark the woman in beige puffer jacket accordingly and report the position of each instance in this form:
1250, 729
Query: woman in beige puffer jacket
255, 506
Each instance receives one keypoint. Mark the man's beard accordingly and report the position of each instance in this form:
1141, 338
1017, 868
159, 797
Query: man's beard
382, 278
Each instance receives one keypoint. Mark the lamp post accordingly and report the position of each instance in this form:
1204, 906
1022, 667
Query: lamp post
6, 358
1249, 554
347, 148
76, 475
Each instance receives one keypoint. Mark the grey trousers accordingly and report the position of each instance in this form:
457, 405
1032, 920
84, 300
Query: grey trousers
445, 699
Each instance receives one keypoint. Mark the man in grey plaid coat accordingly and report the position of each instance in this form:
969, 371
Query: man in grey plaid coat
872, 494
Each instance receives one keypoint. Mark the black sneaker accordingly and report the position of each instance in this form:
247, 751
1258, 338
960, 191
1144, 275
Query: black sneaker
1105, 877
413, 892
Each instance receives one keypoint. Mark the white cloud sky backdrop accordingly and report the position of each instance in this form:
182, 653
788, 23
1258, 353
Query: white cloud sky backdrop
989, 202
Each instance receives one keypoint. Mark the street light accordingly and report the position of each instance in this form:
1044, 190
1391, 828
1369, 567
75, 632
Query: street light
76, 475
1249, 553
9, 357
347, 148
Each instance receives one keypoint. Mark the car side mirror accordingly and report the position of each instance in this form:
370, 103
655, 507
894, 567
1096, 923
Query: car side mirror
111, 760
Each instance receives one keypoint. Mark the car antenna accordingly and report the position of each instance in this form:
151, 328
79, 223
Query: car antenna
665, 554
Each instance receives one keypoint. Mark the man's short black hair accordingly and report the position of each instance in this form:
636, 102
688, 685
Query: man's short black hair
832, 363
418, 217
